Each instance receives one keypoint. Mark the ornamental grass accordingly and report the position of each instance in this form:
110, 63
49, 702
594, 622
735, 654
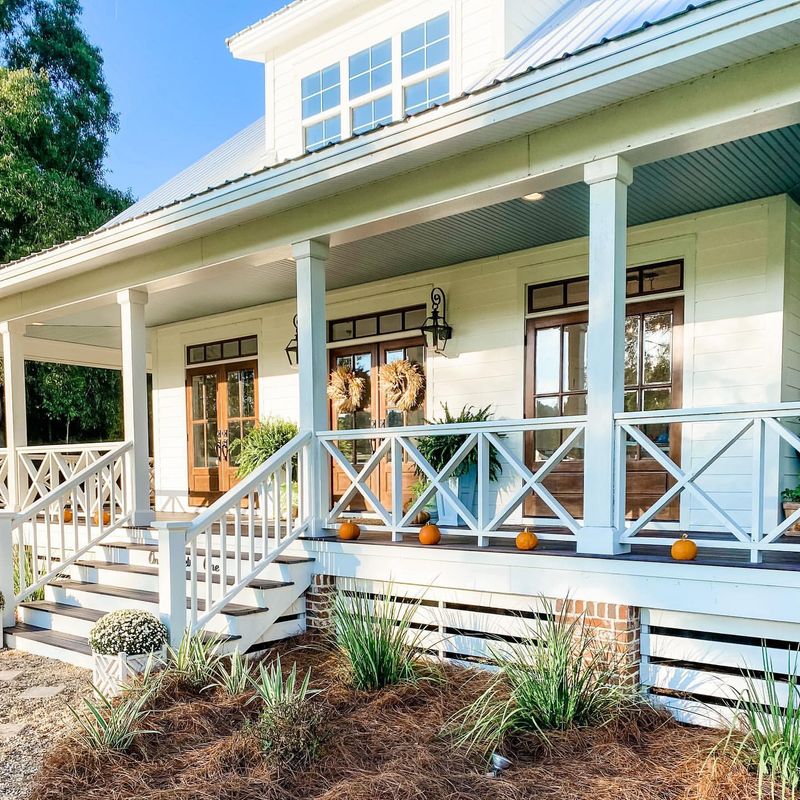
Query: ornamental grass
385, 745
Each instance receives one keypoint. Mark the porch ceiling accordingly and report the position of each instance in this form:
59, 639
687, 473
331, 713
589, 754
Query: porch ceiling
746, 169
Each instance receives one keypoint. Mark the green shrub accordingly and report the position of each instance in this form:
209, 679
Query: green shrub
233, 674
290, 723
558, 677
438, 450
104, 725
129, 631
771, 741
375, 637
195, 661
261, 443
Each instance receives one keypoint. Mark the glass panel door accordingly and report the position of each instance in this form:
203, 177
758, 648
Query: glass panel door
204, 444
241, 415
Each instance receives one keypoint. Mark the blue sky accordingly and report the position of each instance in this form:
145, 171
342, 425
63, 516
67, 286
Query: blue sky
178, 90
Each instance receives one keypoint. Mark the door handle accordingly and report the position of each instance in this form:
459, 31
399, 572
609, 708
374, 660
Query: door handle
222, 445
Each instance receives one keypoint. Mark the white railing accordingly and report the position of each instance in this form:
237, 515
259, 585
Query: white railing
41, 469
743, 432
503, 440
254, 522
66, 522
4, 499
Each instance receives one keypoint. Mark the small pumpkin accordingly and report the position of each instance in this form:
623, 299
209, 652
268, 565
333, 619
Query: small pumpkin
349, 531
527, 540
684, 549
106, 518
422, 518
430, 535
67, 516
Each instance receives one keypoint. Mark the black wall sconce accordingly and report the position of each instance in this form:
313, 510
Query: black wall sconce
291, 348
435, 329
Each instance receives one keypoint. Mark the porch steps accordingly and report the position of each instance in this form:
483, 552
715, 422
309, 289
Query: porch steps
124, 575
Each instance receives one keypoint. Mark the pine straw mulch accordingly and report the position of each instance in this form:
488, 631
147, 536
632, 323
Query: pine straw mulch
386, 746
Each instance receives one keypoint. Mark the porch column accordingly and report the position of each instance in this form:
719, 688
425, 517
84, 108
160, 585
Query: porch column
311, 257
13, 334
134, 395
608, 181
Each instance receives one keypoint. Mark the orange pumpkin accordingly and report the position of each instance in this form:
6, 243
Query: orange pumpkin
430, 535
527, 540
106, 518
349, 531
67, 516
684, 549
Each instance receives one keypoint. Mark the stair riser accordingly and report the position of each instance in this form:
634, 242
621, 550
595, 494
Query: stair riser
56, 622
48, 651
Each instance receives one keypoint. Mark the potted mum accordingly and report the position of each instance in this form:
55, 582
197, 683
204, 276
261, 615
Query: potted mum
791, 502
438, 450
124, 643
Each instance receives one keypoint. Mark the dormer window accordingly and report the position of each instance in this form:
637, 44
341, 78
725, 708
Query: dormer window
321, 98
425, 51
371, 69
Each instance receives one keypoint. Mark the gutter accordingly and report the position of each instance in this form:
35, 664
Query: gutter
487, 114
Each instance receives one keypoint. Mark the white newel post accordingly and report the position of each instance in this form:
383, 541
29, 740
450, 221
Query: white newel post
134, 390
311, 258
6, 569
172, 578
608, 181
13, 334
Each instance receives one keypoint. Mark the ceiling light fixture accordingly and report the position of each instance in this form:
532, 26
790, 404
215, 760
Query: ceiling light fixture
534, 197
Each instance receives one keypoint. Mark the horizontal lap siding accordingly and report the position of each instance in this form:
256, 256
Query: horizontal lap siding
732, 328
790, 377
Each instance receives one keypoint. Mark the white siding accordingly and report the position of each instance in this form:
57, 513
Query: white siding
733, 327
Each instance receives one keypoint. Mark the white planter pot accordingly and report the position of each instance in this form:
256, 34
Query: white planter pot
111, 674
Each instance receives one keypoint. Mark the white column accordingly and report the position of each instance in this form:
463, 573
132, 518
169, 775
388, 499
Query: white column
311, 257
134, 394
608, 181
172, 571
13, 334
7, 569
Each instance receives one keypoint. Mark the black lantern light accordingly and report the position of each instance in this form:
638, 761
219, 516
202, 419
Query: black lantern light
291, 348
435, 329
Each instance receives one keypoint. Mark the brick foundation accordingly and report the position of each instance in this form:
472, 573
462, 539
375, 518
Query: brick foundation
319, 598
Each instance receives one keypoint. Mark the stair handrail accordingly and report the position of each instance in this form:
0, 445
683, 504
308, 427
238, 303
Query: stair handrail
16, 520
261, 490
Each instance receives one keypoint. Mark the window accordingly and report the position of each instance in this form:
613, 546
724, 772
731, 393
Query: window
321, 91
372, 114
641, 281
222, 351
428, 92
322, 133
371, 69
404, 319
426, 45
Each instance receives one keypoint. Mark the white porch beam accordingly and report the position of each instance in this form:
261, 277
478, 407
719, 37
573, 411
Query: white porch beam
311, 257
16, 422
134, 394
608, 181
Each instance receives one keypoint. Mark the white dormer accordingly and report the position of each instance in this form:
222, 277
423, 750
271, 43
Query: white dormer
335, 68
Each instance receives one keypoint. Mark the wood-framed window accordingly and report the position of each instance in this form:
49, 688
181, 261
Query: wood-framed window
224, 350
398, 320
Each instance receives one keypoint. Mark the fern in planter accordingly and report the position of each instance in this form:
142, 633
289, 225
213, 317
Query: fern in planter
261, 443
438, 450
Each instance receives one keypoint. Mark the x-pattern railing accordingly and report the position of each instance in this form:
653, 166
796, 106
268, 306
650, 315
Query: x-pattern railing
757, 424
4, 499
395, 446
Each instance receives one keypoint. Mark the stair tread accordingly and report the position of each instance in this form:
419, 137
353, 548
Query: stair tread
64, 641
153, 548
144, 596
65, 610
136, 569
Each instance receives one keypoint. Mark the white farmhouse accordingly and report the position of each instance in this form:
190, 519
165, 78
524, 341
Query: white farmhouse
581, 214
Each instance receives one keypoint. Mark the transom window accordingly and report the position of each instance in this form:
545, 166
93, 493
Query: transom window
244, 347
372, 114
321, 91
426, 45
371, 69
641, 281
427, 93
403, 319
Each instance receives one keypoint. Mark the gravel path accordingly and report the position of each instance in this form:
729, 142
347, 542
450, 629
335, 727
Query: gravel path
44, 719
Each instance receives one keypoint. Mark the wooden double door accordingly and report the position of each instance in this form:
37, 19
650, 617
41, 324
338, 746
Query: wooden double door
556, 386
222, 406
377, 412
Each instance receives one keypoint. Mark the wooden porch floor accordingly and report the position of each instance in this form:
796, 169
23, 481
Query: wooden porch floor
729, 557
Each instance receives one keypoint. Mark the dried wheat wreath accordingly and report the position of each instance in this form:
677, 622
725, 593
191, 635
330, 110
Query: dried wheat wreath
404, 384
347, 389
